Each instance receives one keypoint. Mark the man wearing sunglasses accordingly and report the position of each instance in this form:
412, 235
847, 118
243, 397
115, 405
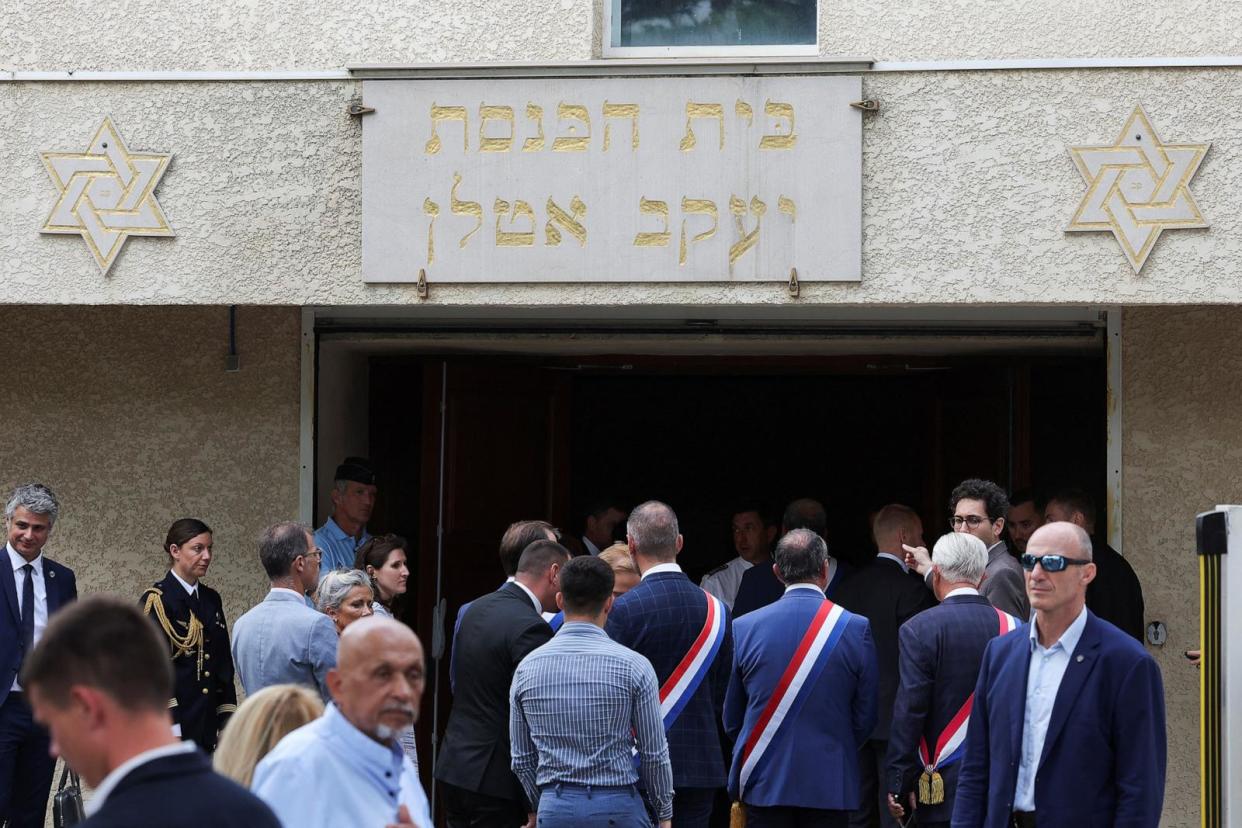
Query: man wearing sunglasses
1067, 725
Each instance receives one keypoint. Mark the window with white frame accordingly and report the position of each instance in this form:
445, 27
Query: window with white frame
653, 28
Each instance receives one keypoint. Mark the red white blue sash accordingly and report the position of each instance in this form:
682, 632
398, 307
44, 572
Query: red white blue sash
794, 687
682, 683
951, 743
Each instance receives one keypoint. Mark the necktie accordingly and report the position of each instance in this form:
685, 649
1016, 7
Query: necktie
28, 609
194, 605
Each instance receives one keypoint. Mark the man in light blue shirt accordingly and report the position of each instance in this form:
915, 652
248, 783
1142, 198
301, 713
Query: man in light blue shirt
282, 640
347, 768
353, 499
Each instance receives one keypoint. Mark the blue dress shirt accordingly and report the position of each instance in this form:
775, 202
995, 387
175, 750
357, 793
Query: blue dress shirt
1042, 682
329, 773
337, 547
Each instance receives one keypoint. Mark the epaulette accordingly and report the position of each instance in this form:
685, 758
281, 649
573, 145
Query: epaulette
156, 589
717, 570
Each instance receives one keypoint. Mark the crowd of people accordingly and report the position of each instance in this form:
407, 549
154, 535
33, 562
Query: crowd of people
972, 684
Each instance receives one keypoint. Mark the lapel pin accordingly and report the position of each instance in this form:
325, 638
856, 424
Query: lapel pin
51, 573
1079, 659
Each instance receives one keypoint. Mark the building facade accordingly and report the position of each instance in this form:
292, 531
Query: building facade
141, 397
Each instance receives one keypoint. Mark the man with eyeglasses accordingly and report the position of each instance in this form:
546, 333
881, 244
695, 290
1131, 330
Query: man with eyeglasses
282, 640
979, 508
1068, 725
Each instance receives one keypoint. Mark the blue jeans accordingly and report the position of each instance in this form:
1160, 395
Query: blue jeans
575, 806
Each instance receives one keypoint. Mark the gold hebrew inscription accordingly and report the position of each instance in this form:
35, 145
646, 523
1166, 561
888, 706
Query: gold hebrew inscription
746, 241
743, 110
441, 114
432, 209
514, 238
534, 113
573, 143
786, 205
493, 143
465, 208
661, 238
781, 140
569, 221
701, 110
696, 206
612, 110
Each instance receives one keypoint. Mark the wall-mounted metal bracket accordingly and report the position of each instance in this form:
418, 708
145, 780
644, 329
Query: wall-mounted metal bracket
794, 287
357, 110
423, 290
866, 105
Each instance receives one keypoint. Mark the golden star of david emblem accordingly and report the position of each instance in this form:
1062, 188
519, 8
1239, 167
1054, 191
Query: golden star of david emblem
107, 194
1138, 187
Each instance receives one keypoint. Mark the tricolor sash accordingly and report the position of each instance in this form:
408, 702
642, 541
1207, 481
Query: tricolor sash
951, 743
794, 687
682, 683
557, 621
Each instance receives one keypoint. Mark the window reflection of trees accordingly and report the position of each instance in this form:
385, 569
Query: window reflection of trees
717, 22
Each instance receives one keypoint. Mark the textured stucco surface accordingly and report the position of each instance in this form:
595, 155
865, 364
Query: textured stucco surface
967, 188
129, 415
288, 34
1180, 455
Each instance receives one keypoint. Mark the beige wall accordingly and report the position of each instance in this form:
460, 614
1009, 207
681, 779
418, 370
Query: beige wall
1181, 454
129, 415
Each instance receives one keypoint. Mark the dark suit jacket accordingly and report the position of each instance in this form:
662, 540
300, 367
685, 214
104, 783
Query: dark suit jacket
1116, 594
760, 586
203, 699
61, 589
181, 792
1105, 753
496, 633
887, 596
660, 619
940, 651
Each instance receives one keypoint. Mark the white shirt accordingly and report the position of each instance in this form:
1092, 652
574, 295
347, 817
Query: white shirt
1047, 668
724, 581
191, 589
899, 561
658, 568
122, 770
962, 591
531, 595
40, 594
590, 547
811, 587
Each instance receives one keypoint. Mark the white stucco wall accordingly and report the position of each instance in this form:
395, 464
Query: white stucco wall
291, 34
967, 189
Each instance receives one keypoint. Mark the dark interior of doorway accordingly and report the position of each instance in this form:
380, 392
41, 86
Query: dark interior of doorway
540, 437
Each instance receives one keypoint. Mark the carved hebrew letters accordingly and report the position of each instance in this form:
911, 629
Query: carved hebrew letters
573, 143
786, 140
495, 143
743, 110
534, 113
552, 236
696, 206
701, 110
746, 241
518, 238
612, 110
786, 205
432, 209
440, 114
661, 238
465, 208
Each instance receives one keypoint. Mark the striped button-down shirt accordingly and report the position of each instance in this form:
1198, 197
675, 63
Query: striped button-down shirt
574, 704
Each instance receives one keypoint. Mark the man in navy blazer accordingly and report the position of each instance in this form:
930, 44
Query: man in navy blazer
100, 680
801, 698
939, 653
661, 618
1067, 727
32, 588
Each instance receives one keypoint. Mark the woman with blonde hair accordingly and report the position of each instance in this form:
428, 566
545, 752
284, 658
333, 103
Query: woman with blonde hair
624, 570
260, 722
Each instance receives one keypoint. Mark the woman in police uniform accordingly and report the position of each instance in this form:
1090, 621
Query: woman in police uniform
191, 617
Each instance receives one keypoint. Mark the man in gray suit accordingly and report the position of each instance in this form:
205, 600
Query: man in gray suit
282, 640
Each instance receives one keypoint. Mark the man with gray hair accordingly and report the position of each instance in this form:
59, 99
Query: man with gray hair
940, 651
33, 587
282, 640
801, 699
671, 621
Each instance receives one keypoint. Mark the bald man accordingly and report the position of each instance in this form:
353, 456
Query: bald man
1067, 725
348, 768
